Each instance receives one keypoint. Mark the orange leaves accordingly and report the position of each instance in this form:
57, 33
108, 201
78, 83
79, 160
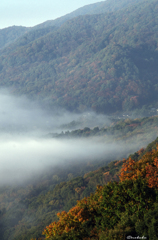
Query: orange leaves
81, 220
152, 174
127, 171
79, 190
75, 219
55, 228
147, 168
141, 151
67, 221
117, 163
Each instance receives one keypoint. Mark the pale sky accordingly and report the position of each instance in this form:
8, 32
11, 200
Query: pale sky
32, 12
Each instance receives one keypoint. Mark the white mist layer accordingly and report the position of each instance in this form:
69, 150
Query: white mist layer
21, 158
19, 114
24, 153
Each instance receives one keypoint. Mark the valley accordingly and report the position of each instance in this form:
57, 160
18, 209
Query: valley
79, 125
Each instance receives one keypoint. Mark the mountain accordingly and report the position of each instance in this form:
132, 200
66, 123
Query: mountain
26, 209
10, 34
105, 62
117, 210
95, 8
101, 57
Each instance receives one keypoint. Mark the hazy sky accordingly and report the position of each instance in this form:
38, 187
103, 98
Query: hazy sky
30, 13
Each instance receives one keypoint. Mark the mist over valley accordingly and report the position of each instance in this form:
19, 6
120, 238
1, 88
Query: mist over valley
27, 148
33, 139
79, 124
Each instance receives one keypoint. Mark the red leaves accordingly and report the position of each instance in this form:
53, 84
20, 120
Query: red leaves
74, 219
152, 174
68, 221
146, 168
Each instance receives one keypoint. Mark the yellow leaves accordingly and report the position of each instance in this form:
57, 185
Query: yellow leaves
147, 168
52, 202
99, 188
152, 173
68, 221
100, 199
79, 190
117, 163
36, 238
131, 170
74, 219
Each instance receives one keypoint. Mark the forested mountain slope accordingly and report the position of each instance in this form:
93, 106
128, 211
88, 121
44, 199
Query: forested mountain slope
105, 62
95, 8
140, 131
118, 210
25, 210
10, 34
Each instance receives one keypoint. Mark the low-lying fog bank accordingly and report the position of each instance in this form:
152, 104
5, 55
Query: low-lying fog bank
19, 114
25, 157
24, 153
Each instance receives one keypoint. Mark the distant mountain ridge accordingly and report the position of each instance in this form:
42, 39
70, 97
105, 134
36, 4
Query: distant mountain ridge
106, 62
12, 33
94, 8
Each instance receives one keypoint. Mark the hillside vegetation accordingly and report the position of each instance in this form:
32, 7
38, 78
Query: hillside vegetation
101, 57
26, 209
10, 34
116, 210
129, 131
120, 208
105, 62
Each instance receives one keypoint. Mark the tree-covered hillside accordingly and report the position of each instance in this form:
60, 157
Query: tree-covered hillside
117, 210
95, 8
27, 208
140, 130
118, 207
106, 61
10, 34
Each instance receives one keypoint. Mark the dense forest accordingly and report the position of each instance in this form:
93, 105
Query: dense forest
116, 210
100, 59
140, 130
105, 61
27, 208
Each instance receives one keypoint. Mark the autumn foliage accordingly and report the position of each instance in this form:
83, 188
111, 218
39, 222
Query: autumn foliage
73, 223
102, 215
146, 168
